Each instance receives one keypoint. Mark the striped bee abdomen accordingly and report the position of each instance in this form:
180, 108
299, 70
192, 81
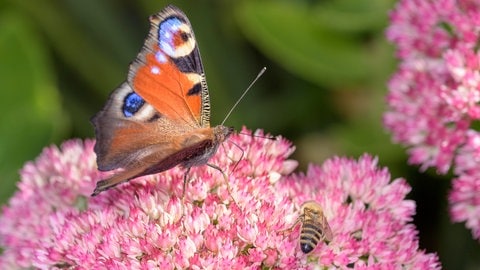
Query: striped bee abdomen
310, 235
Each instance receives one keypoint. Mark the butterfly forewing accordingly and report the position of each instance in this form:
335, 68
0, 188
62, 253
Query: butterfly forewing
170, 57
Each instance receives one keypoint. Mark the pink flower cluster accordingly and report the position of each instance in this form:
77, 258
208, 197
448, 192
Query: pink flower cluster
52, 222
434, 97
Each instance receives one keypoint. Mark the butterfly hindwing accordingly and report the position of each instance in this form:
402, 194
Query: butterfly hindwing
126, 129
132, 137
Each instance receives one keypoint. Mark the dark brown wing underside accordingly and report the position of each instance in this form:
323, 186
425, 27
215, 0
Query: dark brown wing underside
195, 155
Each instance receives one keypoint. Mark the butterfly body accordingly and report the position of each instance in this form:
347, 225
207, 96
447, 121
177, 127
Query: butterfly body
160, 117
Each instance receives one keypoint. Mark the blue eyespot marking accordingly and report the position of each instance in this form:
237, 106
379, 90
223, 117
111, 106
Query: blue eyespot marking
166, 34
131, 104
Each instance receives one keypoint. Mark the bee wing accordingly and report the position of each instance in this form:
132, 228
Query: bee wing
327, 231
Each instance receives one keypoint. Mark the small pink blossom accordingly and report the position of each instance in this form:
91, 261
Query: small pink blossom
145, 224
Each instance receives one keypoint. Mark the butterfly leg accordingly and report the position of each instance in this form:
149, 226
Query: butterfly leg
225, 178
231, 158
185, 176
185, 179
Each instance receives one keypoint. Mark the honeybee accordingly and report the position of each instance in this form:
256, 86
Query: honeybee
315, 227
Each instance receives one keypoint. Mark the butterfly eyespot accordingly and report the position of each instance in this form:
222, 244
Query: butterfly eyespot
131, 104
175, 38
184, 36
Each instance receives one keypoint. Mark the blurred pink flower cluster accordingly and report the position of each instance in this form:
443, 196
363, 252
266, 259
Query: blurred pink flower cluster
434, 97
52, 222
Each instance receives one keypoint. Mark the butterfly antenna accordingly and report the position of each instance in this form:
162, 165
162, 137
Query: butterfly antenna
269, 137
244, 93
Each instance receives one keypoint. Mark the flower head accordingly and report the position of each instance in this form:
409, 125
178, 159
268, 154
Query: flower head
465, 195
146, 224
434, 97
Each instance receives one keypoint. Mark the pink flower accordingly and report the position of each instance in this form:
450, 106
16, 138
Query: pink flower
367, 212
465, 195
143, 224
434, 97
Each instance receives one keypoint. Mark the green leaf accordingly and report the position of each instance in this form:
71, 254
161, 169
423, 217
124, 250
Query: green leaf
31, 116
353, 16
291, 34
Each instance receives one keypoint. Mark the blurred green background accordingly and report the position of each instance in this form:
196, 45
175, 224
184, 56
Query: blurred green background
327, 67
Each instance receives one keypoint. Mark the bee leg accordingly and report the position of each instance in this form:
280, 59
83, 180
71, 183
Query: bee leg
300, 218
